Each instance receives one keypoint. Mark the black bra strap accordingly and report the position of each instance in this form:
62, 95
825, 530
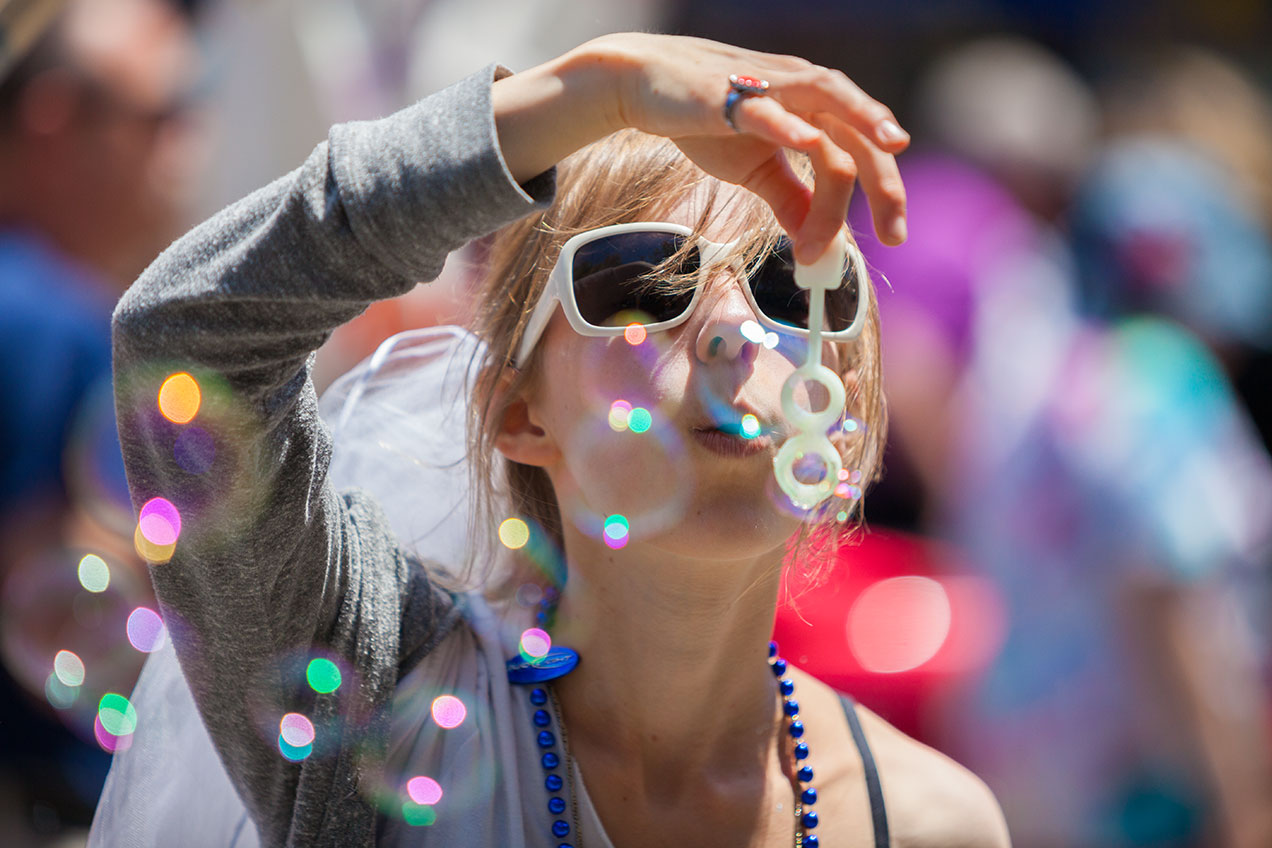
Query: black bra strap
878, 815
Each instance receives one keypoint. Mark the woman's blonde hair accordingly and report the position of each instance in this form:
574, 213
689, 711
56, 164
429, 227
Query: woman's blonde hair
628, 176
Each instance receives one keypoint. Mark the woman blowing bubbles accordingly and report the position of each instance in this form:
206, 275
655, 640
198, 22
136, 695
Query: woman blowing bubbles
678, 725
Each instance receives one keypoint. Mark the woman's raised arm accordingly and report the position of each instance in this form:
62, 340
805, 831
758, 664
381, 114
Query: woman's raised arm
270, 560
676, 87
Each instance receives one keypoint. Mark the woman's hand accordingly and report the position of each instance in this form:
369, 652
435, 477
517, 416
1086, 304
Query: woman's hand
676, 87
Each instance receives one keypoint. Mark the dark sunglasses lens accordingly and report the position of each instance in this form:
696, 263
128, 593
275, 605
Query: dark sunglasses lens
780, 299
613, 285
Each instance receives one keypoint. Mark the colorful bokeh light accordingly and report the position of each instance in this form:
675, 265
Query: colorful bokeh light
94, 573
750, 426
514, 533
69, 668
179, 398
160, 522
640, 420
294, 753
752, 331
449, 712
616, 531
60, 695
145, 630
849, 491
634, 334
116, 714
323, 675
535, 643
296, 730
424, 790
418, 815
110, 742
152, 553
620, 411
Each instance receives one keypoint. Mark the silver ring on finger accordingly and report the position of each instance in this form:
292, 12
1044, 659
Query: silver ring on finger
740, 88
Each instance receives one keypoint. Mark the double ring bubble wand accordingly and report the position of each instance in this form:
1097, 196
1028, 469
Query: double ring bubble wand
809, 438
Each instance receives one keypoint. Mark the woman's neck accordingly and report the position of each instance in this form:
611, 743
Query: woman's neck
673, 682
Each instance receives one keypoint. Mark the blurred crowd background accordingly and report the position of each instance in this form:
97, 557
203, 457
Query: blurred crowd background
1066, 583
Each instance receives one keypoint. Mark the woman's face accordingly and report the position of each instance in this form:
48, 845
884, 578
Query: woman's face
682, 484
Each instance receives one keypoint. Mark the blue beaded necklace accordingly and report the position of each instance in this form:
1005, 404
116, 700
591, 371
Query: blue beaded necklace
560, 661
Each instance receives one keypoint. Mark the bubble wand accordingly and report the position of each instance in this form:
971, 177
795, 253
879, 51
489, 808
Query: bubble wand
809, 438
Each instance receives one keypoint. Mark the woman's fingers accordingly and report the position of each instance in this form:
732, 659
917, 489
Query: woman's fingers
815, 89
766, 118
880, 179
834, 173
780, 187
678, 87
840, 154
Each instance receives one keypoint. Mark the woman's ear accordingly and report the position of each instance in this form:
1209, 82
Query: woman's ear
519, 436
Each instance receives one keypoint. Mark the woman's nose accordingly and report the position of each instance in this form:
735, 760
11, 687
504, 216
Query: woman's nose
721, 335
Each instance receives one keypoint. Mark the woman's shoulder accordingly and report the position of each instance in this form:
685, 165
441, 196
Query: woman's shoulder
928, 798
931, 799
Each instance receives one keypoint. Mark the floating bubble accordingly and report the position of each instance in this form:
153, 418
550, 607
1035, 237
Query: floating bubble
323, 675
152, 553
424, 790
294, 753
94, 573
117, 715
179, 398
160, 522
449, 712
535, 643
640, 420
841, 516
514, 533
194, 450
620, 412
635, 334
418, 815
750, 426
60, 695
296, 730
69, 668
771, 340
843, 474
145, 630
110, 742
852, 425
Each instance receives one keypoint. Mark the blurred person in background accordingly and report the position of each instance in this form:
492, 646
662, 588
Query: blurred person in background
1200, 104
1101, 473
93, 161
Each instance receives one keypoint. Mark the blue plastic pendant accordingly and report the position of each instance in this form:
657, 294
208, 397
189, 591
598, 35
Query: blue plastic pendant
557, 662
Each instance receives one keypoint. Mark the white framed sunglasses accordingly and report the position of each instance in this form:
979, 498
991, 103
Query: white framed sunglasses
603, 280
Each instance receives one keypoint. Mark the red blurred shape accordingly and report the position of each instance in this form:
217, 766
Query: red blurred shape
898, 619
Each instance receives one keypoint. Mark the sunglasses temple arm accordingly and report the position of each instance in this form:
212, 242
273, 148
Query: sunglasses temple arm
538, 322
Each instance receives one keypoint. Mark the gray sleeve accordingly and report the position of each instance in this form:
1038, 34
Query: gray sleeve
272, 565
